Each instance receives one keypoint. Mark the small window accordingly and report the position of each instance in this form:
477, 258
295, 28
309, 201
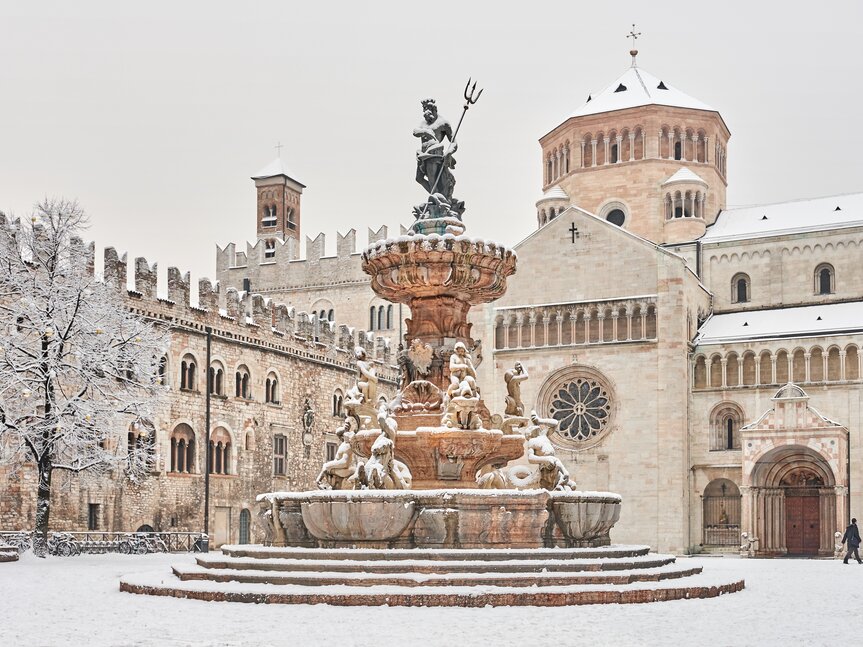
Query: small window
331, 451
220, 452
270, 248
616, 217
292, 224
678, 150
280, 455
269, 216
245, 526
242, 383
188, 373
93, 516
620, 88
614, 153
824, 279
271, 388
338, 403
372, 317
740, 292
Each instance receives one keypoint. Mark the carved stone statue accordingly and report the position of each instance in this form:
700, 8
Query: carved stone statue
382, 471
513, 378
435, 163
388, 424
336, 474
367, 379
550, 472
462, 375
540, 451
407, 371
308, 417
421, 356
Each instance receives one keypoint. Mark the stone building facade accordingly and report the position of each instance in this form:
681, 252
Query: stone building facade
268, 363
668, 329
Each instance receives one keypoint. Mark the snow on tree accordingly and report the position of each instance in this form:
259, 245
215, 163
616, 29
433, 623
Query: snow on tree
79, 371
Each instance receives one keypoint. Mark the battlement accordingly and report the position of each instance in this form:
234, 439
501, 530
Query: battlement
247, 316
285, 255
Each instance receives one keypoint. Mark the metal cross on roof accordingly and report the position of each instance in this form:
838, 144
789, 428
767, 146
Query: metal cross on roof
278, 145
633, 35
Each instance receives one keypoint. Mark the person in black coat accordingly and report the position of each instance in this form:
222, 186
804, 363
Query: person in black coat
852, 536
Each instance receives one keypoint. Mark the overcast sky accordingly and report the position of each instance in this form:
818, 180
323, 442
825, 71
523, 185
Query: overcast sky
155, 114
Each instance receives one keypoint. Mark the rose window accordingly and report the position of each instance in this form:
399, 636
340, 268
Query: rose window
582, 406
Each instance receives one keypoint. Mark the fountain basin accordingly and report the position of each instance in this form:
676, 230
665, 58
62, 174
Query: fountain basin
585, 518
442, 518
358, 516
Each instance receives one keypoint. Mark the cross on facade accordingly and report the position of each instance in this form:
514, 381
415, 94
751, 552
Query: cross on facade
278, 148
573, 230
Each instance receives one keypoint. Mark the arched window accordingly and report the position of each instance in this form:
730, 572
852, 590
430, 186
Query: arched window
292, 224
182, 449
243, 383
163, 371
372, 318
616, 217
245, 525
141, 442
269, 248
188, 373
613, 154
381, 320
824, 279
271, 389
216, 379
331, 315
338, 402
678, 150
220, 451
740, 288
725, 422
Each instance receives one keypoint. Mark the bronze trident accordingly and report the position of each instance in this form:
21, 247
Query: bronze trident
469, 99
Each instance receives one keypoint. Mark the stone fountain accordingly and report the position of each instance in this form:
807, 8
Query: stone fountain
420, 489
429, 468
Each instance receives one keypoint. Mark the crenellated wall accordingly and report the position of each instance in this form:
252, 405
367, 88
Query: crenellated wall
262, 437
315, 283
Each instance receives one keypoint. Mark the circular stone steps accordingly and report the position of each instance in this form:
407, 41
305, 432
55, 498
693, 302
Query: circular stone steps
407, 577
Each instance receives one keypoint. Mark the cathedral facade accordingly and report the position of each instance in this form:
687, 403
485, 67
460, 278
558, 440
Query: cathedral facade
704, 362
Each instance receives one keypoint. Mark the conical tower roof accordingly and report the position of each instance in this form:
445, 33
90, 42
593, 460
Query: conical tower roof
634, 88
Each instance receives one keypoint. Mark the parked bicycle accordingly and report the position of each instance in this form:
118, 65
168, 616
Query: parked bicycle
63, 544
141, 544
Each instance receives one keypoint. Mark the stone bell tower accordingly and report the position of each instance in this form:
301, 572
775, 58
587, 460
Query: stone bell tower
278, 212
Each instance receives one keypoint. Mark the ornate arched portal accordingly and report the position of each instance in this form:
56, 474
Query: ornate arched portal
795, 482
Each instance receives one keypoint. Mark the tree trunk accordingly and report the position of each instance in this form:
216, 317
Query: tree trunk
43, 508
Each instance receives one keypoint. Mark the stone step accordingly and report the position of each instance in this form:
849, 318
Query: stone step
466, 554
416, 579
349, 564
695, 586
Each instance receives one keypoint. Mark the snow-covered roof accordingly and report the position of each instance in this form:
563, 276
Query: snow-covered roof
636, 87
815, 214
273, 169
554, 193
803, 321
684, 175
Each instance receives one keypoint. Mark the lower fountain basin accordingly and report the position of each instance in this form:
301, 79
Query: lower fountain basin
358, 516
585, 518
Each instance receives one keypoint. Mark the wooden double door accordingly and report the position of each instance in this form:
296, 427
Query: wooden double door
802, 523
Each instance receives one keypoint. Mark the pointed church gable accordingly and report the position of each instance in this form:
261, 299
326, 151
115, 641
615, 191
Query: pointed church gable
578, 256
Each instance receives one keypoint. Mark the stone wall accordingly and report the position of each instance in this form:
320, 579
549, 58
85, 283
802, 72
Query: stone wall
268, 339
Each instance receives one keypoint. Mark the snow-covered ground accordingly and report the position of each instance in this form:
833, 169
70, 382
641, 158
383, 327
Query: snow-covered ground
76, 601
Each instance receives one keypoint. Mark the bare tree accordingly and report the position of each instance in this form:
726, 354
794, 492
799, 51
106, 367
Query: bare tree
78, 369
